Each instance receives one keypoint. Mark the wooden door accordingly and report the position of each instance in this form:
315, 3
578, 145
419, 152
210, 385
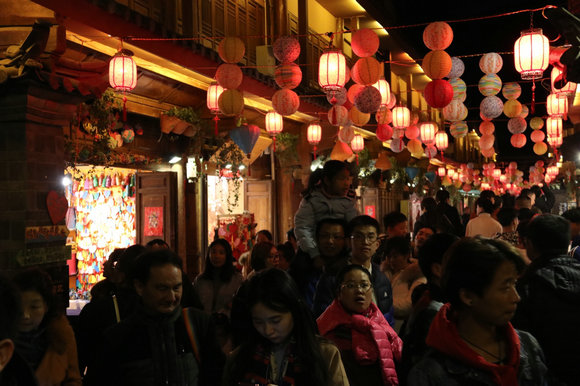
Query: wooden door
156, 203
258, 200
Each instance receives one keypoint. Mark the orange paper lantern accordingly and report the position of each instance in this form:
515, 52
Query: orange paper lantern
436, 64
437, 35
364, 42
288, 75
540, 148
231, 102
357, 117
366, 71
231, 49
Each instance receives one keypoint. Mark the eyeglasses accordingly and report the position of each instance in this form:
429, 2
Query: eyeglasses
352, 286
274, 256
326, 236
370, 238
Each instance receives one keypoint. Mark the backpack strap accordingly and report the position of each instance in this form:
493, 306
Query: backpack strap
191, 333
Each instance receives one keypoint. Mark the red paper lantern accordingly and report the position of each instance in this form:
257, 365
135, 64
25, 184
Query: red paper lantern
556, 105
537, 136
554, 126
231, 49
486, 127
338, 115
531, 54
385, 89
286, 49
412, 132
229, 76
428, 130
441, 140
436, 64
366, 71
213, 94
364, 42
332, 70
288, 75
122, 72
401, 117
285, 101
353, 92
441, 171
437, 35
438, 93
384, 115
518, 140
384, 132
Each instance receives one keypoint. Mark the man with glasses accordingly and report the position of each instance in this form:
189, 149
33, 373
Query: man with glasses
363, 239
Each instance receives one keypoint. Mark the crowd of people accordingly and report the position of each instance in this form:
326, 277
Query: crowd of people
488, 300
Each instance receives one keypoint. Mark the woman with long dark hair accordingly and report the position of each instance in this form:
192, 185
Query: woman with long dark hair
283, 347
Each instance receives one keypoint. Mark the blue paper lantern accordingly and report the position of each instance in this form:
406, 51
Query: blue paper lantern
412, 172
245, 137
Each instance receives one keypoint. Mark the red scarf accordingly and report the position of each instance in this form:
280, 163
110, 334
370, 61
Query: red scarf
372, 338
444, 337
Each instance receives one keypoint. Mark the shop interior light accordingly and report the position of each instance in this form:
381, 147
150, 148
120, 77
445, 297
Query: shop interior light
66, 180
175, 159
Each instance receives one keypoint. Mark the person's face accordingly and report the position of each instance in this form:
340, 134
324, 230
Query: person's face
331, 240
398, 261
532, 197
499, 301
339, 184
33, 310
355, 292
273, 258
273, 325
364, 242
261, 238
217, 256
162, 292
399, 230
422, 235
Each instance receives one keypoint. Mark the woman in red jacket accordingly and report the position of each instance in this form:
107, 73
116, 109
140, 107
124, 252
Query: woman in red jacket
368, 345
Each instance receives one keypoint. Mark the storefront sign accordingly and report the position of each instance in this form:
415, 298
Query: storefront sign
153, 221
45, 234
44, 255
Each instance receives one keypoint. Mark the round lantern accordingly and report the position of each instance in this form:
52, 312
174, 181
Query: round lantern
537, 136
128, 135
486, 141
231, 102
531, 54
288, 75
496, 174
353, 91
489, 84
346, 134
338, 115
397, 145
441, 171
511, 90
556, 105
458, 129
428, 130
398, 133
401, 117
332, 70
536, 123
455, 111
457, 68
518, 140
384, 132
525, 112
383, 86
412, 132
364, 42
554, 126
285, 101
393, 101
229, 76
488, 153
437, 35
441, 140
557, 79
436, 64
490, 63
274, 123
430, 151
415, 148
491, 107
286, 49
459, 89
357, 144
512, 108
414, 117
438, 93
122, 72
384, 116
231, 49
486, 128
357, 117
336, 97
540, 148
368, 100
213, 93
366, 71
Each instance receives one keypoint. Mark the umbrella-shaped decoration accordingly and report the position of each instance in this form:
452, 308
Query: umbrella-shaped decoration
245, 136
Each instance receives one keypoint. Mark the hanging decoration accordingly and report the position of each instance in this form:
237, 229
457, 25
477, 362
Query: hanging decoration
531, 56
437, 64
385, 89
368, 100
428, 130
415, 147
229, 75
314, 135
274, 125
123, 74
346, 134
559, 85
458, 129
286, 49
213, 94
341, 151
231, 103
401, 117
340, 96
442, 142
438, 93
357, 145
557, 105
366, 71
245, 136
384, 132
364, 42
338, 115
332, 71
231, 49
456, 111
357, 117
285, 102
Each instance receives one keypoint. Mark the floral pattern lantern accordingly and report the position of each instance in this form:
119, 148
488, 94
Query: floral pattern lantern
285, 102
286, 49
274, 125
366, 71
437, 35
436, 64
438, 93
531, 54
397, 145
491, 107
455, 111
229, 76
364, 42
368, 100
339, 97
457, 68
231, 50
491, 63
314, 135
338, 115
288, 75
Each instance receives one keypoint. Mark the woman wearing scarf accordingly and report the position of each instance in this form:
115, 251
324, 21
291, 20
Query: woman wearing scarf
368, 345
472, 339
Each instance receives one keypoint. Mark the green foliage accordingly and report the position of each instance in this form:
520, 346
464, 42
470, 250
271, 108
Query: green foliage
187, 114
286, 149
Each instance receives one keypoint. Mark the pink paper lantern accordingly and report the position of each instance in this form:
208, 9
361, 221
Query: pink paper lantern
314, 133
338, 115
213, 93
397, 145
274, 123
438, 93
531, 54
412, 132
491, 63
437, 35
346, 134
122, 72
554, 126
384, 132
430, 151
537, 136
332, 70
364, 42
441, 140
518, 140
556, 105
336, 97
288, 75
285, 102
286, 49
357, 144
488, 153
366, 71
486, 128
517, 125
428, 130
229, 76
368, 100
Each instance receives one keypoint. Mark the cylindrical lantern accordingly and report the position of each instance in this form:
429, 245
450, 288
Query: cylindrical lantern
531, 54
554, 126
428, 130
496, 174
557, 105
122, 72
401, 117
385, 89
441, 140
332, 70
441, 171
555, 141
357, 144
274, 123
314, 135
213, 94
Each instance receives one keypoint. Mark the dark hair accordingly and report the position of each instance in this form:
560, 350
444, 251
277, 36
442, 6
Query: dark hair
433, 250
536, 190
549, 234
276, 290
266, 233
509, 201
290, 234
345, 270
227, 270
526, 192
35, 279
442, 195
572, 215
506, 216
429, 204
329, 171
126, 263
154, 258
489, 194
485, 204
362, 221
525, 214
10, 308
471, 265
391, 219
286, 251
260, 253
497, 202
330, 221
157, 242
399, 245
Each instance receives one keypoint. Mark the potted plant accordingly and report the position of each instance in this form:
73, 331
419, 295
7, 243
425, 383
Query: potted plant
180, 120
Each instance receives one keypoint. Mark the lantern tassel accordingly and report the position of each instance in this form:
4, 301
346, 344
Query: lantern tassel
356, 159
533, 106
274, 144
442, 156
124, 108
314, 151
216, 119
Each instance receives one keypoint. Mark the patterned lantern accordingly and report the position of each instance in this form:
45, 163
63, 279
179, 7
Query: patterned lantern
314, 135
332, 70
554, 126
346, 134
457, 68
556, 105
213, 94
441, 171
517, 125
368, 100
511, 90
274, 125
437, 35
512, 108
366, 71
229, 76
337, 97
338, 115
455, 111
489, 84
531, 54
428, 130
231, 102
364, 42
557, 78
357, 145
286, 49
459, 89
438, 93
397, 145
525, 112
518, 140
401, 117
491, 107
288, 75
231, 49
357, 117
486, 127
384, 132
353, 92
436, 64
486, 142
441, 141
537, 136
491, 63
285, 101
122, 72
458, 129
385, 89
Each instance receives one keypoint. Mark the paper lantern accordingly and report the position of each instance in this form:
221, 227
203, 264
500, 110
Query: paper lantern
288, 75
397, 145
488, 153
557, 106
213, 93
231, 102
525, 112
511, 90
341, 151
384, 132
383, 86
314, 133
536, 123
229, 76
428, 130
346, 134
436, 64
336, 97
438, 93
286, 49
518, 140
491, 107
401, 117
496, 174
393, 101
486, 128
441, 171
332, 70
364, 42
458, 129
366, 71
412, 132
128, 135
459, 89
357, 144
540, 148
368, 100
441, 140
384, 116
383, 162
486, 141
430, 151
245, 136
353, 91
122, 72
490, 63
457, 68
415, 148
358, 117
537, 136
274, 123
554, 126
231, 49
398, 133
437, 35
559, 85
489, 84
285, 101
531, 54
512, 108
338, 115
455, 111
555, 141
